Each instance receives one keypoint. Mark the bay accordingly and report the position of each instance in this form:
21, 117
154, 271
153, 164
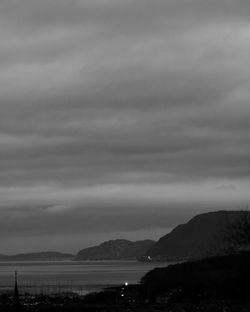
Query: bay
79, 277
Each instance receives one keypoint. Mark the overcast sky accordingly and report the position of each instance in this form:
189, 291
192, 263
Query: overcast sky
120, 118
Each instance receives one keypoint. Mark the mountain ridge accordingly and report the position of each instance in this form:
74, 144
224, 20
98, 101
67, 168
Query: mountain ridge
118, 249
199, 237
38, 256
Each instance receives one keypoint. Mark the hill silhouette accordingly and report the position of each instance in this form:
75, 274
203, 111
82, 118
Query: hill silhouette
38, 256
200, 237
118, 249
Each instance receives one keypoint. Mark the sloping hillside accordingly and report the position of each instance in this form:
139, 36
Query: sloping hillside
199, 237
115, 250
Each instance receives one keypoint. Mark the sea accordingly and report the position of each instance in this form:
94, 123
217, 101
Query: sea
79, 277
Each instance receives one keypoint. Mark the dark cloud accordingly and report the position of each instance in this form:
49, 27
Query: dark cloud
117, 109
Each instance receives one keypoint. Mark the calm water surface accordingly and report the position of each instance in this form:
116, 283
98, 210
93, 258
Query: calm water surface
80, 277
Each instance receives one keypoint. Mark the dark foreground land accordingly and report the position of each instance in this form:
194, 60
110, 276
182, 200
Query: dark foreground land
217, 284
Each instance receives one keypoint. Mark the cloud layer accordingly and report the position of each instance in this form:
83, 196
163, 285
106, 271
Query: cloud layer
133, 110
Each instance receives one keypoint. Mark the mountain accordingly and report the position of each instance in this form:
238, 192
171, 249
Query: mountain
199, 237
38, 256
118, 249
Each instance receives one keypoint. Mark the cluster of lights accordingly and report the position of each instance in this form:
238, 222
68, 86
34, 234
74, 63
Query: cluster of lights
125, 284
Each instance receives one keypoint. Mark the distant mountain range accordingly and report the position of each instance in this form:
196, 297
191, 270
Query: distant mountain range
38, 256
200, 237
119, 249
